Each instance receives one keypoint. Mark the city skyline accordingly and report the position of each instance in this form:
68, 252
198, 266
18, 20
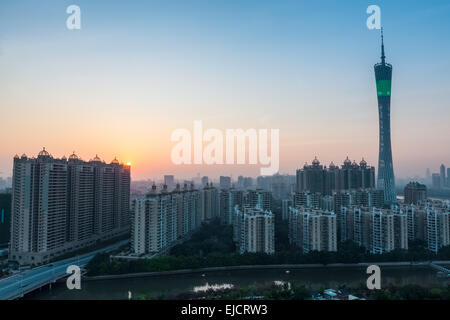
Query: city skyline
209, 150
217, 177
83, 93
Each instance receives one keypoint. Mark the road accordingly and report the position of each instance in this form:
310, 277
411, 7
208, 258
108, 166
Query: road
26, 281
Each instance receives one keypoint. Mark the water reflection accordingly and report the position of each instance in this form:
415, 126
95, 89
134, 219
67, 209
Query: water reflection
213, 287
282, 284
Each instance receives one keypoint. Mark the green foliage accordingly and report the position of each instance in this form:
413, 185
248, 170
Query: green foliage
211, 238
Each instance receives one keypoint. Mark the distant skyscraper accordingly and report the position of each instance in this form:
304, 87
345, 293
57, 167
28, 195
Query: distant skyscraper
415, 193
169, 181
448, 177
436, 180
248, 182
225, 182
204, 181
386, 179
443, 179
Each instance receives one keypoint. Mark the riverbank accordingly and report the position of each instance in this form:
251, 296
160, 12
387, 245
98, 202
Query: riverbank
165, 285
286, 267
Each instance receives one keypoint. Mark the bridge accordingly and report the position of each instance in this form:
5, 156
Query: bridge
18, 285
439, 268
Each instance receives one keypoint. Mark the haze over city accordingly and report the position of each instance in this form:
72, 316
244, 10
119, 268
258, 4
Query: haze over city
118, 86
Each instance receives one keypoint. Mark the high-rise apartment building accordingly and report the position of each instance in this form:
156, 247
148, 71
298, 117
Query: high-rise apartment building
285, 205
429, 221
382, 232
377, 230
159, 220
437, 225
61, 205
210, 202
317, 178
282, 186
312, 230
361, 197
230, 198
263, 183
416, 217
415, 193
244, 182
258, 199
254, 228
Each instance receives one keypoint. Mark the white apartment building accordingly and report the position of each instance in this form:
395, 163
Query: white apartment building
255, 229
159, 220
312, 230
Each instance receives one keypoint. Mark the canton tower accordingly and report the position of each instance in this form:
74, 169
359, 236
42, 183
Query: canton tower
383, 76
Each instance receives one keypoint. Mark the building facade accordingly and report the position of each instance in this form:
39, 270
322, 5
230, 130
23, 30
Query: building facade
316, 178
160, 220
377, 230
210, 201
255, 232
415, 192
225, 182
312, 230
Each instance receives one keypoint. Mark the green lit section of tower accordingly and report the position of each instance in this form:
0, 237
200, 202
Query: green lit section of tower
386, 179
384, 88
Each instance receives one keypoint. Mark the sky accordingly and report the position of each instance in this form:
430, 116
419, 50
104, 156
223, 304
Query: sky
138, 70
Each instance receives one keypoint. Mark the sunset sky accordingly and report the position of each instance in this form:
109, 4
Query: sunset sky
138, 70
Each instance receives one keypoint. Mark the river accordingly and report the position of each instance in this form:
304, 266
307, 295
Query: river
316, 278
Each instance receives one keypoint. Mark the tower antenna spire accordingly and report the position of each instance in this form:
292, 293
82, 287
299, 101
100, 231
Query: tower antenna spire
383, 57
